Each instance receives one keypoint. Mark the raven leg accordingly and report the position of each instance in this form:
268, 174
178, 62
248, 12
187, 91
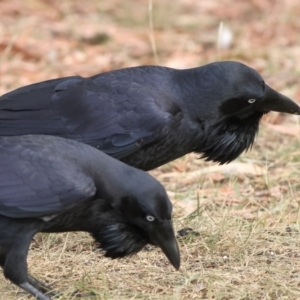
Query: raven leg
47, 289
39, 285
29, 287
13, 256
33, 291
15, 269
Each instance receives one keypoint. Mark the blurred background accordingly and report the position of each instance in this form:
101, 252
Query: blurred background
246, 213
40, 39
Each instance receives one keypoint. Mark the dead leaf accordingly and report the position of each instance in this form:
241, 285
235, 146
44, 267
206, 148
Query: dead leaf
199, 287
234, 168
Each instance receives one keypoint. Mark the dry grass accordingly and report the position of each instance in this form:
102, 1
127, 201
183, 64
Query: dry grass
247, 217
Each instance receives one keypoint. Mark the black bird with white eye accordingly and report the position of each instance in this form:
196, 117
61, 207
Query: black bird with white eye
50, 184
147, 116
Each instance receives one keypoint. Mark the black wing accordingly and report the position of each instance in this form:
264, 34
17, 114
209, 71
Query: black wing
36, 184
118, 112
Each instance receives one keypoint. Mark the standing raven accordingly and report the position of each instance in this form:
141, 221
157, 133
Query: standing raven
51, 184
147, 116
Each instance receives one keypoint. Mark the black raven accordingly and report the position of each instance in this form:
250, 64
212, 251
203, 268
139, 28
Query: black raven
51, 184
150, 115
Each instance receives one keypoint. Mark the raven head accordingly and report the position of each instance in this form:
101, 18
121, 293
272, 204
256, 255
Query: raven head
234, 97
141, 215
228, 88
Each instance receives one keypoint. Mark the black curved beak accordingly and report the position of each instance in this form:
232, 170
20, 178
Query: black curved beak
163, 236
274, 101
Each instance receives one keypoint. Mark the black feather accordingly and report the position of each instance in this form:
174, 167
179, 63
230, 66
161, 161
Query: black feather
227, 139
150, 115
50, 184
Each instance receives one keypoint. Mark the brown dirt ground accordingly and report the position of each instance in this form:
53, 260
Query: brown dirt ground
245, 215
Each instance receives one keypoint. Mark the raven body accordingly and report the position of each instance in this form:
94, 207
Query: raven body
50, 184
147, 116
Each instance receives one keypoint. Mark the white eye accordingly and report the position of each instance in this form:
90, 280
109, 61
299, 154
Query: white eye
251, 101
150, 218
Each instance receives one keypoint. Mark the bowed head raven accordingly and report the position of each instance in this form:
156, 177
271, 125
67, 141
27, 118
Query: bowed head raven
51, 184
147, 116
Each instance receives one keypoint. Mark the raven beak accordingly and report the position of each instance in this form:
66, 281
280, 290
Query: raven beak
163, 236
274, 101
